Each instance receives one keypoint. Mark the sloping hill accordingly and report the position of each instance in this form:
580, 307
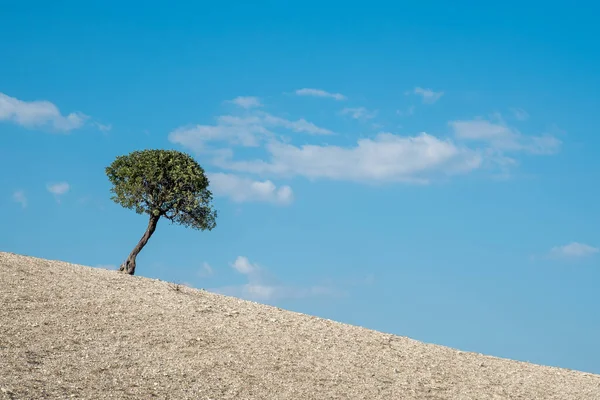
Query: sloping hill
68, 331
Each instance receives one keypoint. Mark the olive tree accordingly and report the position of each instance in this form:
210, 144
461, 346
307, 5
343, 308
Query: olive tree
162, 184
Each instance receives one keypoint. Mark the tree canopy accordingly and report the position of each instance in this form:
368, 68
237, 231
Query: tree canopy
163, 184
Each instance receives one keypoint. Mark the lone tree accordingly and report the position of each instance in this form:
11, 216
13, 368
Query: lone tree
161, 183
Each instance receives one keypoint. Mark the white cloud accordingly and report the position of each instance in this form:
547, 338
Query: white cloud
300, 125
409, 111
244, 266
39, 113
246, 131
247, 190
359, 113
19, 197
387, 157
205, 270
58, 189
246, 102
265, 292
574, 250
319, 93
476, 144
263, 287
428, 95
102, 127
503, 137
520, 114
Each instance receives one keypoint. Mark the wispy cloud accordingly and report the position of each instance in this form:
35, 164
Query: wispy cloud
408, 112
19, 197
205, 270
244, 131
301, 125
359, 113
39, 113
103, 127
573, 250
246, 102
387, 157
427, 95
262, 286
502, 137
247, 131
247, 190
58, 189
319, 93
520, 114
90, 201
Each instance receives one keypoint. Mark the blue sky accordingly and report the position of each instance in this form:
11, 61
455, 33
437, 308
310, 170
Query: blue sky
412, 168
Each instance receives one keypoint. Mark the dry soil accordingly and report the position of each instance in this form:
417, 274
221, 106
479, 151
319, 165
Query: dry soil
69, 331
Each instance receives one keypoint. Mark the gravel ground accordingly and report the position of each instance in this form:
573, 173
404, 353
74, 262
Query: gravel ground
69, 331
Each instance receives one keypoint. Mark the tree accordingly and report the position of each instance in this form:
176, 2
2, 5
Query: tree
163, 184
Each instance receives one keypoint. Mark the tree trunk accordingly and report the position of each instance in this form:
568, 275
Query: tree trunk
129, 265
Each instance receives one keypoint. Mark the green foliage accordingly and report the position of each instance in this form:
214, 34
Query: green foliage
163, 183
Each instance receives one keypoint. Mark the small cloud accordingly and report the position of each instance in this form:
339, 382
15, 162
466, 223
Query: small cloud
428, 95
205, 270
244, 266
502, 137
263, 287
58, 189
409, 111
265, 292
19, 197
300, 125
38, 113
573, 250
359, 113
247, 190
319, 93
246, 102
102, 127
520, 114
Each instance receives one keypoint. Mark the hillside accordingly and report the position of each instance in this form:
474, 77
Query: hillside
69, 331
